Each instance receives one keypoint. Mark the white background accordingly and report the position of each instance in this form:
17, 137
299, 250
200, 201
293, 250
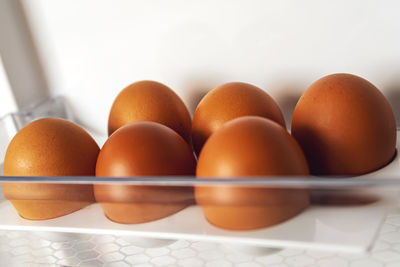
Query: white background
91, 49
7, 103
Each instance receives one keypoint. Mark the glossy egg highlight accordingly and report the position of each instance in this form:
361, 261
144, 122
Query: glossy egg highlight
250, 147
144, 149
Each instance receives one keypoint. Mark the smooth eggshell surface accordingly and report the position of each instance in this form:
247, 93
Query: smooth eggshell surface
254, 147
227, 102
144, 149
50, 147
150, 101
345, 126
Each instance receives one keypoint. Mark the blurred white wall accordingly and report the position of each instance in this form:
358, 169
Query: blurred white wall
19, 56
7, 103
91, 49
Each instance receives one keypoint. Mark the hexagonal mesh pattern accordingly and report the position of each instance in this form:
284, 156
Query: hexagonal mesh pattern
47, 249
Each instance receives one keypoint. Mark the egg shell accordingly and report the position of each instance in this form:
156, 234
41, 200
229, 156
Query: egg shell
150, 101
144, 149
345, 126
227, 102
256, 147
50, 147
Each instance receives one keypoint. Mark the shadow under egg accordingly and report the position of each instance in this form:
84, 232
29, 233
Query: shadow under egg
349, 197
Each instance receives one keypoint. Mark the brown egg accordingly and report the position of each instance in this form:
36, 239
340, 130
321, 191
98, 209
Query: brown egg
243, 147
50, 147
144, 149
345, 126
150, 101
227, 102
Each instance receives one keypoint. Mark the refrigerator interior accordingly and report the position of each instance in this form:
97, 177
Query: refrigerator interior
70, 60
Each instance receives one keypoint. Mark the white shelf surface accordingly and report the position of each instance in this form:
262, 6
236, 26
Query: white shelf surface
346, 229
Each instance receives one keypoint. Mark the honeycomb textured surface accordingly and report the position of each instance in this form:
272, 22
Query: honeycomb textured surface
19, 248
